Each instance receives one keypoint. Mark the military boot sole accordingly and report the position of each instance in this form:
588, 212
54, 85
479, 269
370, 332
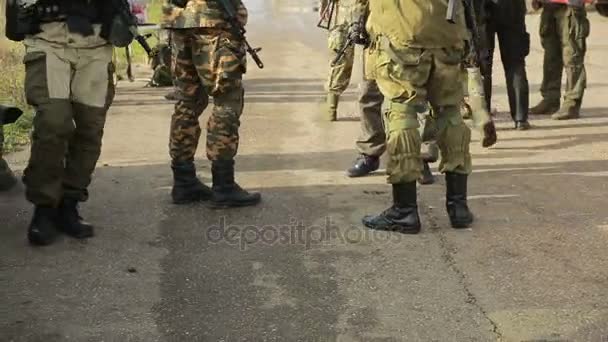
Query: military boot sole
230, 203
545, 111
368, 221
38, 238
190, 197
85, 232
461, 224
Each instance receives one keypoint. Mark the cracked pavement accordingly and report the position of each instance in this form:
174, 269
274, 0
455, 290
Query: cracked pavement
300, 267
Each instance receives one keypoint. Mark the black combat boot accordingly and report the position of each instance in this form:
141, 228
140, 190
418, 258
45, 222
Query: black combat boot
227, 193
427, 177
43, 228
402, 216
187, 188
364, 165
71, 223
456, 200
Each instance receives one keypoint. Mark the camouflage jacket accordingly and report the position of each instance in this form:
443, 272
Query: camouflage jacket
416, 23
200, 13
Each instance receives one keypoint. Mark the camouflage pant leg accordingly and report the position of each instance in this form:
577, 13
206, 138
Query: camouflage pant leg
221, 63
445, 95
185, 128
341, 73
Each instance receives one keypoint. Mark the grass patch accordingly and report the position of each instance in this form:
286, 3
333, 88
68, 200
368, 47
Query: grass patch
11, 92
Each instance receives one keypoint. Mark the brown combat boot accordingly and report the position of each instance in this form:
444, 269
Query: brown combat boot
568, 111
545, 107
332, 106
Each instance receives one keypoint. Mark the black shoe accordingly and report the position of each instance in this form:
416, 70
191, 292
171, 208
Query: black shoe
427, 176
402, 216
364, 165
187, 188
489, 134
43, 228
522, 125
227, 193
71, 223
456, 200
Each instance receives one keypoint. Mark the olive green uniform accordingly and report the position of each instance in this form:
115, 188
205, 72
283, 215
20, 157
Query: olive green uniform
415, 58
346, 13
563, 33
68, 80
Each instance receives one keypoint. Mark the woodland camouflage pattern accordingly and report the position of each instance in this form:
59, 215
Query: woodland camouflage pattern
203, 66
200, 13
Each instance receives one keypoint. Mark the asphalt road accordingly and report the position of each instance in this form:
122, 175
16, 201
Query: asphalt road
300, 267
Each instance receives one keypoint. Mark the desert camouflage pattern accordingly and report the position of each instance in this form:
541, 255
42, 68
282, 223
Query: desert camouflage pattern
341, 73
207, 66
410, 79
346, 11
200, 13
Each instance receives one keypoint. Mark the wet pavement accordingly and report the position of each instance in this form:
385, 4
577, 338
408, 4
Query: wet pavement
300, 267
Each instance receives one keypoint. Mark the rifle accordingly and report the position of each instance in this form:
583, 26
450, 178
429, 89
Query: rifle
328, 13
239, 30
356, 35
9, 114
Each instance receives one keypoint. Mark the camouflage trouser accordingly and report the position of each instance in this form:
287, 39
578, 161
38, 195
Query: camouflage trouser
563, 32
71, 90
207, 65
340, 74
410, 78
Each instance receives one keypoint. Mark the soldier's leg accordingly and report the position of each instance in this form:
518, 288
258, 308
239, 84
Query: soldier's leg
185, 128
92, 91
340, 73
7, 178
371, 142
574, 32
221, 71
453, 135
430, 150
552, 63
514, 44
405, 99
481, 117
47, 89
487, 62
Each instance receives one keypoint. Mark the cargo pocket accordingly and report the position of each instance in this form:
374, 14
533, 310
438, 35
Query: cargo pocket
405, 69
36, 82
230, 62
337, 38
579, 29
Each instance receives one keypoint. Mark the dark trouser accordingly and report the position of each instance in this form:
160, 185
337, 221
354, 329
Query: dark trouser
507, 21
372, 139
